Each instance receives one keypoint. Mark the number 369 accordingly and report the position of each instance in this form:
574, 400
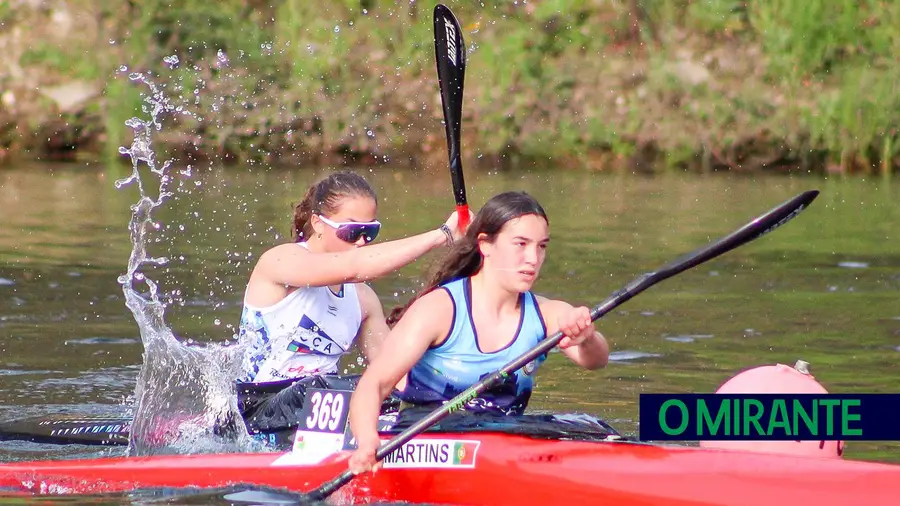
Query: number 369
326, 411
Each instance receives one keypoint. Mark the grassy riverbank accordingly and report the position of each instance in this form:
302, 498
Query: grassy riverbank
703, 85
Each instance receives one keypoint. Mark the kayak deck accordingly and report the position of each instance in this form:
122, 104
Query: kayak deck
531, 471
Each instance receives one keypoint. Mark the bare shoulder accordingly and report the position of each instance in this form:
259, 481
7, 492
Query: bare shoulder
435, 300
271, 262
273, 257
365, 291
287, 248
368, 299
551, 306
551, 309
432, 310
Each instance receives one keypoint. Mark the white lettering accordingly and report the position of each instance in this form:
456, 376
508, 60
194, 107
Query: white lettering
325, 412
451, 41
784, 220
336, 409
316, 400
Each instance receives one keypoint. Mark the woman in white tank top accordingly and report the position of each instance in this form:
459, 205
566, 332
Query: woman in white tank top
306, 302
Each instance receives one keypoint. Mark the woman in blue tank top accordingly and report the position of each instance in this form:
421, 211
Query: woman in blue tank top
475, 315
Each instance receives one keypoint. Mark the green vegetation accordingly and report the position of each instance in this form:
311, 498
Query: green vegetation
698, 84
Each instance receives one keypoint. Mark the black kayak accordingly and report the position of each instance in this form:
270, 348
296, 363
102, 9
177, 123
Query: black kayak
69, 429
271, 413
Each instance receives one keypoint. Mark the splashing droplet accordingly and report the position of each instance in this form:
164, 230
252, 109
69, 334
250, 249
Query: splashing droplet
221, 59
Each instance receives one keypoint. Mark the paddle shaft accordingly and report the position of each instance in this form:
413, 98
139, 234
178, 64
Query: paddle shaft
450, 56
753, 230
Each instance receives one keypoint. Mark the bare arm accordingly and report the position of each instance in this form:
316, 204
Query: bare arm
374, 328
583, 344
293, 265
424, 323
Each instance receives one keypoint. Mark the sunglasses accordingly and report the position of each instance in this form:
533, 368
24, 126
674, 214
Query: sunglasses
351, 231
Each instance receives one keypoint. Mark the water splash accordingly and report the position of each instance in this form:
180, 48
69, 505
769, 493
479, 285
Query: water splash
184, 398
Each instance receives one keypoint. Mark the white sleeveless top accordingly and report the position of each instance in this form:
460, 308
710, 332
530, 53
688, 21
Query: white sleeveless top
303, 334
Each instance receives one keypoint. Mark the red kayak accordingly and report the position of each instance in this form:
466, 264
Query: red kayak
494, 468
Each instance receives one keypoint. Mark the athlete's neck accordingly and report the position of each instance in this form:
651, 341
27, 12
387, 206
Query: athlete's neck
491, 296
316, 245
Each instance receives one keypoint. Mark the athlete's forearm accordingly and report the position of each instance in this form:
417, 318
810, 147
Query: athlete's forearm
376, 260
290, 266
365, 406
593, 352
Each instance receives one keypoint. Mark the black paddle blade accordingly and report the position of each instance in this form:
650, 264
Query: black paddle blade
450, 55
69, 429
760, 226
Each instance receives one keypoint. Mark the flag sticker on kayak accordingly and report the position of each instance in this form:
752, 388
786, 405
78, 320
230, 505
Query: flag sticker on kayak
464, 453
434, 454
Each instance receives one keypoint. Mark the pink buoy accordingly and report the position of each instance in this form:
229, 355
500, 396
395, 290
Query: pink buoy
778, 379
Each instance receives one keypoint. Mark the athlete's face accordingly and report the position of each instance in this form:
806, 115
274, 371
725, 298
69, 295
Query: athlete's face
351, 209
517, 253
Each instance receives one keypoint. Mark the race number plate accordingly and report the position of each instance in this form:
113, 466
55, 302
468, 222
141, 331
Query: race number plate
323, 424
325, 410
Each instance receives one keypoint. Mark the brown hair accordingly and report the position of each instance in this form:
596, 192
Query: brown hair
464, 258
324, 197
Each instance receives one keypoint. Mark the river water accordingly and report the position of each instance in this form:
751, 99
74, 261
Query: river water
824, 288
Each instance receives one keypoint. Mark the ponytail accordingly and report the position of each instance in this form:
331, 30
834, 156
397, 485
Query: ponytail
324, 197
463, 260
302, 214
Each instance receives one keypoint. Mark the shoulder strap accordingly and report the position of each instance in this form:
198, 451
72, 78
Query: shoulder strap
533, 314
456, 289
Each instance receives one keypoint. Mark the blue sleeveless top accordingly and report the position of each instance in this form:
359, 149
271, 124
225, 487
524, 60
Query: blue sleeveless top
447, 370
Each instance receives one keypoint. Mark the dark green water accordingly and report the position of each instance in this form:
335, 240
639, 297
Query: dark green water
824, 288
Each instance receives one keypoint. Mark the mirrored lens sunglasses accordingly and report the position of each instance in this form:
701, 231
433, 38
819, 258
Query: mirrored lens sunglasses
351, 231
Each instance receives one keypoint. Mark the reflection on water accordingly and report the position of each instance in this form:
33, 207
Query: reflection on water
823, 288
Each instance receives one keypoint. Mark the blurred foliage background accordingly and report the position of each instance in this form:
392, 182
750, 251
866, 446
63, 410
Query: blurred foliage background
648, 85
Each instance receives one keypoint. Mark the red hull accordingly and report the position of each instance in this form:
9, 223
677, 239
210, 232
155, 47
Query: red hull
507, 470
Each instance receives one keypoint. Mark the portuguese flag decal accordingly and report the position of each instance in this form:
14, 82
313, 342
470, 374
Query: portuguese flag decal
464, 453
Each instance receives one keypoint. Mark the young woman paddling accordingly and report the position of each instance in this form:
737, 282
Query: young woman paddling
306, 303
476, 314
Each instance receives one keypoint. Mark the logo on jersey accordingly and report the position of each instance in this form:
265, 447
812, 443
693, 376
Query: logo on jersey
310, 339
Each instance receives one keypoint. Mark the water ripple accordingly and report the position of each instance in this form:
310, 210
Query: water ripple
102, 340
29, 372
853, 265
687, 338
627, 355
